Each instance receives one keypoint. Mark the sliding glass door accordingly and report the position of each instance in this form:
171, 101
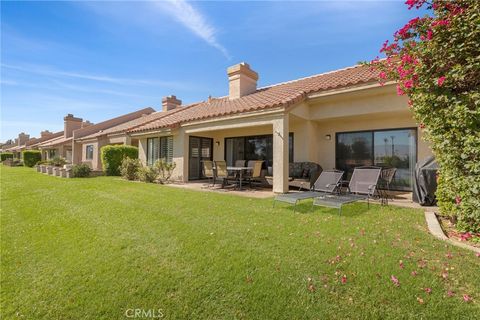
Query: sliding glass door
385, 148
253, 148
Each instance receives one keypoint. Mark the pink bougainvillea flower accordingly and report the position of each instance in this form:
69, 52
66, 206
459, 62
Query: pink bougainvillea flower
477, 254
450, 293
458, 200
465, 236
382, 75
395, 281
414, 273
408, 84
428, 290
440, 81
400, 92
467, 298
429, 34
344, 279
401, 265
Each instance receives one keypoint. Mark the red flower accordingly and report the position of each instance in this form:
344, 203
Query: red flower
382, 75
467, 298
422, 126
465, 236
344, 279
429, 34
408, 84
400, 91
458, 200
428, 290
440, 81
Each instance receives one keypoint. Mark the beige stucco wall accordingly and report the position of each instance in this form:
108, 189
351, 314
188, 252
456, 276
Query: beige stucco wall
311, 121
98, 143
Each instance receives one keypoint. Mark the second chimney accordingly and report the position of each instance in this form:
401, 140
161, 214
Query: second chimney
71, 123
170, 103
241, 80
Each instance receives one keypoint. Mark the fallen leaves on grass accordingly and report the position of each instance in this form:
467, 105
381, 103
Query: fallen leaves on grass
395, 280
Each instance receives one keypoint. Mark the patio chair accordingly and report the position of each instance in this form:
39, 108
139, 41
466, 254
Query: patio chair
386, 178
362, 186
255, 175
328, 182
208, 171
221, 172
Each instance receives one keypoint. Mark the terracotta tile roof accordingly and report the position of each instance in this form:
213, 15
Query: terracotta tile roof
55, 142
37, 141
279, 95
131, 124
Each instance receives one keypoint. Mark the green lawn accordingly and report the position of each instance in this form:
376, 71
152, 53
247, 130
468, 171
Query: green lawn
94, 248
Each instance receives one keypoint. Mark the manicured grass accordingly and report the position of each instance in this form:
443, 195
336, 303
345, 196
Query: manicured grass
93, 248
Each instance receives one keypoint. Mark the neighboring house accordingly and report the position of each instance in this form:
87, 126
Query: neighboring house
45, 135
339, 119
19, 145
62, 144
88, 141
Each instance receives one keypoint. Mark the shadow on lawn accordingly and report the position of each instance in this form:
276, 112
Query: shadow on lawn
349, 210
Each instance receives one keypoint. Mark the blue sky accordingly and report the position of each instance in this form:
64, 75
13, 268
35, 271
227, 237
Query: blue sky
101, 59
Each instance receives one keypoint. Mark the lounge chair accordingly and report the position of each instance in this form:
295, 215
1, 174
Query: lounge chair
328, 182
362, 186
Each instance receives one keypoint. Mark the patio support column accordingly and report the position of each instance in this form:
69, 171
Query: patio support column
280, 154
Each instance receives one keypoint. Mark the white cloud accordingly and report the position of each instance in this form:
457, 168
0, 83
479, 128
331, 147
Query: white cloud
193, 20
52, 72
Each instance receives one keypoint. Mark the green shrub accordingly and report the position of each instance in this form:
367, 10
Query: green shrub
112, 157
31, 157
129, 168
58, 162
6, 155
81, 171
164, 170
147, 174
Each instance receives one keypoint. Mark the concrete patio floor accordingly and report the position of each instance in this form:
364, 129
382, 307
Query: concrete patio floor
401, 199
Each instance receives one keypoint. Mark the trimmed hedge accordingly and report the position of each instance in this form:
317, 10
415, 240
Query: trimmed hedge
81, 171
112, 157
6, 155
31, 157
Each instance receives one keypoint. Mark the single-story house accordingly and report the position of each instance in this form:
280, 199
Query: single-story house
19, 145
62, 144
45, 135
338, 119
90, 140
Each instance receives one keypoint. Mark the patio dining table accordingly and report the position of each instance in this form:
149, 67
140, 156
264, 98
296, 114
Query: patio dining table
240, 171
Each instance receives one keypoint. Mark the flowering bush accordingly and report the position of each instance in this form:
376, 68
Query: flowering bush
435, 61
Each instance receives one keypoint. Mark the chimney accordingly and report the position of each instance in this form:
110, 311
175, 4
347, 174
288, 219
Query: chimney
71, 123
22, 138
45, 134
241, 80
170, 103
86, 123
